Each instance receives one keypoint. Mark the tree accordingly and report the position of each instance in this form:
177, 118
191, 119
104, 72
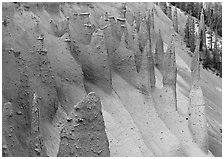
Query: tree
194, 9
211, 23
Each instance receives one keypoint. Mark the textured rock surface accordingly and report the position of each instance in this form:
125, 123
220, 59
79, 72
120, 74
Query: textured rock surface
95, 61
151, 68
169, 65
12, 146
123, 63
159, 52
36, 140
143, 35
196, 112
175, 20
170, 68
197, 118
84, 133
54, 54
12, 139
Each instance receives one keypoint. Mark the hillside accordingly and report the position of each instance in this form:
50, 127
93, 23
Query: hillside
55, 55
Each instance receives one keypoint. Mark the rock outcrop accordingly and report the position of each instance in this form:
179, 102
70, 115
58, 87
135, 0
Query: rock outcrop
196, 112
151, 68
170, 68
84, 133
123, 63
137, 53
197, 118
37, 147
175, 20
54, 54
143, 35
12, 146
159, 52
97, 56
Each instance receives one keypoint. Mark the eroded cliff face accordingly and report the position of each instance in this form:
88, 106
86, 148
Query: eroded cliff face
84, 133
56, 55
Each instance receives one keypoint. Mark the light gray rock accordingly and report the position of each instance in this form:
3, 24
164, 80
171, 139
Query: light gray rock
170, 68
159, 52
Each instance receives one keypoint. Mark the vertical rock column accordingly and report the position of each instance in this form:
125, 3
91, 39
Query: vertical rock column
196, 112
37, 147
137, 53
187, 31
87, 28
202, 35
197, 118
192, 35
195, 68
49, 100
151, 69
152, 12
121, 22
137, 18
129, 16
111, 41
143, 35
84, 133
170, 69
159, 52
96, 64
175, 20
